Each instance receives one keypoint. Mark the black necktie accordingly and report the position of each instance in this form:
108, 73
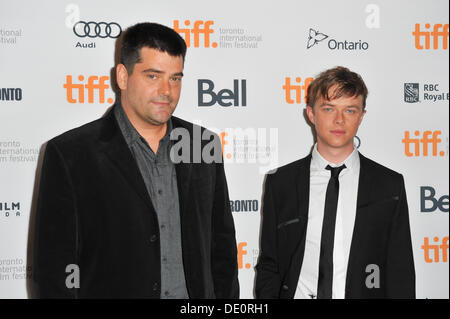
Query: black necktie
325, 286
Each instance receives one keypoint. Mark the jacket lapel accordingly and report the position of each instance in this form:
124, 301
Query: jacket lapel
364, 184
363, 197
183, 170
113, 144
302, 188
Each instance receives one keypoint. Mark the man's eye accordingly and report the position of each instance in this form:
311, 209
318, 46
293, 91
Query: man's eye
176, 79
152, 76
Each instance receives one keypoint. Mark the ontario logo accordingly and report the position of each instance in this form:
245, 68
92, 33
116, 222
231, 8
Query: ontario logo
315, 37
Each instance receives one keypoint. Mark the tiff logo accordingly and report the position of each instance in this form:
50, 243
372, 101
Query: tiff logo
94, 84
293, 92
200, 28
241, 252
439, 31
434, 249
429, 137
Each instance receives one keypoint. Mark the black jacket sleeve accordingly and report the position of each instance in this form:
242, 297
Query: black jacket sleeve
268, 282
224, 251
55, 241
400, 273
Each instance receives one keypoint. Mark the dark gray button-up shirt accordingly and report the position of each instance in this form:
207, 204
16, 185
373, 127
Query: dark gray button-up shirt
159, 175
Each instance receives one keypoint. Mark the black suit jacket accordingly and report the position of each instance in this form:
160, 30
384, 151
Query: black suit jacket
381, 234
94, 211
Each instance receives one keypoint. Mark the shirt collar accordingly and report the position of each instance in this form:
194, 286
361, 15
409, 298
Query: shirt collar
129, 132
319, 163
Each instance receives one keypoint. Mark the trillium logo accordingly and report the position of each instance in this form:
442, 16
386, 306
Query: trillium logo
315, 37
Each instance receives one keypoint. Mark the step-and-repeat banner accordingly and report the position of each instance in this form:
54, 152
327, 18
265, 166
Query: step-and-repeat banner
247, 70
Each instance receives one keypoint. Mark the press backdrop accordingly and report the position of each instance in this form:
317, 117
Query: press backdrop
247, 69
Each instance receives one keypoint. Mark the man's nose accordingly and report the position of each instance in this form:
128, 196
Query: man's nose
164, 88
340, 119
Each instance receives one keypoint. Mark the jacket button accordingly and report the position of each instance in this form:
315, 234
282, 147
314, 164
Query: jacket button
153, 238
155, 286
285, 287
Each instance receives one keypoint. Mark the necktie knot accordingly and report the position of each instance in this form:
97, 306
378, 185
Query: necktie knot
335, 171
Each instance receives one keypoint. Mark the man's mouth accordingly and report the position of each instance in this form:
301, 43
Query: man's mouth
338, 132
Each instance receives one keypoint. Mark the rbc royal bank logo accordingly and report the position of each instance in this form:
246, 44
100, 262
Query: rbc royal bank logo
411, 92
430, 92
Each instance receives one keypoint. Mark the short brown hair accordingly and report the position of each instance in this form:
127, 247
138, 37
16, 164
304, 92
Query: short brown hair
348, 84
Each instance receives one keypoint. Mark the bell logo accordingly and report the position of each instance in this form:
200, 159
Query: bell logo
439, 31
429, 202
296, 90
200, 27
94, 83
434, 249
429, 137
224, 97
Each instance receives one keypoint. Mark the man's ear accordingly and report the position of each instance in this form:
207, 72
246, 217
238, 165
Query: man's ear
122, 76
310, 114
362, 116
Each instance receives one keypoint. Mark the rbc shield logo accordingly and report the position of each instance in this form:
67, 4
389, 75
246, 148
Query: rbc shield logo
411, 92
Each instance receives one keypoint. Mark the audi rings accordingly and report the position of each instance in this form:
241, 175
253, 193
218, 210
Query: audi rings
93, 29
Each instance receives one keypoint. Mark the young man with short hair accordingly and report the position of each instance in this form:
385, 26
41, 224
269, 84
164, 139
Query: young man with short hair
335, 224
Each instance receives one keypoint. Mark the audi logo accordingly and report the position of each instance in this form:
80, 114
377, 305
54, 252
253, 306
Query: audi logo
93, 29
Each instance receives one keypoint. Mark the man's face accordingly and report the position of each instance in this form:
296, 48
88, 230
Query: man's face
151, 92
336, 121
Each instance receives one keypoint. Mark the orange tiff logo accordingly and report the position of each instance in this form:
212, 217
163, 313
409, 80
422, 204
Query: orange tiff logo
428, 137
94, 84
200, 28
440, 31
293, 92
241, 251
438, 250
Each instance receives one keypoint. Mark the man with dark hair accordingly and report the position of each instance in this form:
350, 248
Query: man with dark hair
122, 215
335, 224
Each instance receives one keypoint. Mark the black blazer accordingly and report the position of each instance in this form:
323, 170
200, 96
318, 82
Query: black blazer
94, 211
381, 234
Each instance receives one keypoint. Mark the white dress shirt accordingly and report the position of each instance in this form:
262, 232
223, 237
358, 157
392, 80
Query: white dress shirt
345, 220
